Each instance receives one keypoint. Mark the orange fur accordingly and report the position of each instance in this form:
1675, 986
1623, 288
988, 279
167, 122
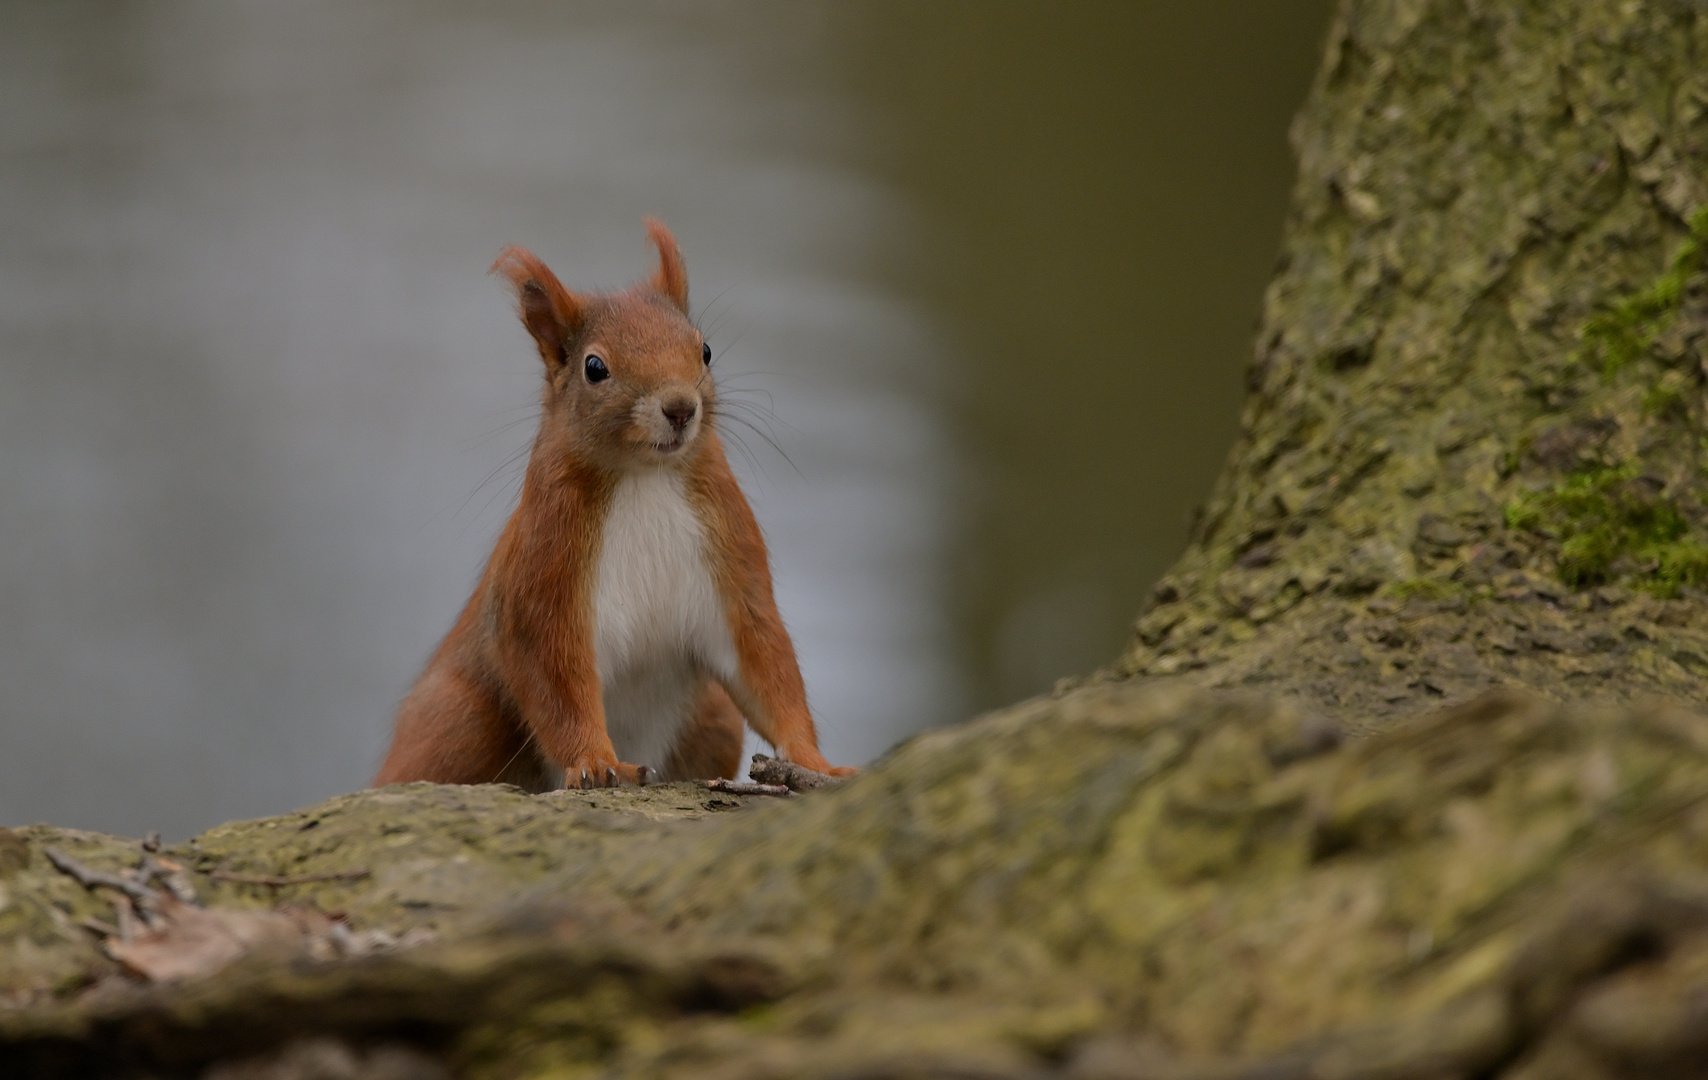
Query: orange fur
513, 692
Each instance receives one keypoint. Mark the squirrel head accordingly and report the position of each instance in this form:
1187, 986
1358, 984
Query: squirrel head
628, 375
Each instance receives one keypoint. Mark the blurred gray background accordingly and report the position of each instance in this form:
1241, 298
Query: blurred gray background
984, 272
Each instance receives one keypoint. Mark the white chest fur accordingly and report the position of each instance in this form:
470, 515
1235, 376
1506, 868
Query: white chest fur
659, 626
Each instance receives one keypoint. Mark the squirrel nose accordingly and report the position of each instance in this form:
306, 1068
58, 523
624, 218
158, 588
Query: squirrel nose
680, 412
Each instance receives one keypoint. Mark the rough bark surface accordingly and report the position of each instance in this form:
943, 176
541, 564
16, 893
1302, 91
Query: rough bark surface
1473, 451
1473, 457
1130, 881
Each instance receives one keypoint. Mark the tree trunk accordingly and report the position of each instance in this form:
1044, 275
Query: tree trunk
1473, 450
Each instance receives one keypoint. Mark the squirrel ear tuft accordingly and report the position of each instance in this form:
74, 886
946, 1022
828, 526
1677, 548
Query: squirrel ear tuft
672, 276
551, 312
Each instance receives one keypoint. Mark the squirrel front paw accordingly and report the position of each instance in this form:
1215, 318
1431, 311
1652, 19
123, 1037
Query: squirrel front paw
589, 772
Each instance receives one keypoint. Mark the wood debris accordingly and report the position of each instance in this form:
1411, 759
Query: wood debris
770, 770
742, 787
165, 934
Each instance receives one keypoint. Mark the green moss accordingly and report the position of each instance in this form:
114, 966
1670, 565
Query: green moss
1663, 401
1610, 523
761, 1017
1511, 460
1625, 332
1684, 562
1423, 588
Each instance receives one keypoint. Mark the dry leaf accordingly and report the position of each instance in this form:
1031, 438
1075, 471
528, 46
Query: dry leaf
190, 942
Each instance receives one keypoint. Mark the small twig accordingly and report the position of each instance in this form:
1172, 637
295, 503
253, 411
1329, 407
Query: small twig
151, 843
178, 884
770, 770
92, 879
275, 882
742, 787
168, 873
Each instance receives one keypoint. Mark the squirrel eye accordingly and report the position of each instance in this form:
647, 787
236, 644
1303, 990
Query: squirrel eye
595, 369
706, 352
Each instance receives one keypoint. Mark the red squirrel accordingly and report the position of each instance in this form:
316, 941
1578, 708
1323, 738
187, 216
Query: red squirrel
625, 624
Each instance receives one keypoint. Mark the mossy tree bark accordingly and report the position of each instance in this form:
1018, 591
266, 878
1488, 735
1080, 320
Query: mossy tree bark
1473, 450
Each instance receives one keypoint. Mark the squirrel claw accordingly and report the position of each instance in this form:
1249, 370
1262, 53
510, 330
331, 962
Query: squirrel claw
591, 773
642, 774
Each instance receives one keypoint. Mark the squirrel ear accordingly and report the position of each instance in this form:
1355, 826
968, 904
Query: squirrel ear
672, 276
551, 312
